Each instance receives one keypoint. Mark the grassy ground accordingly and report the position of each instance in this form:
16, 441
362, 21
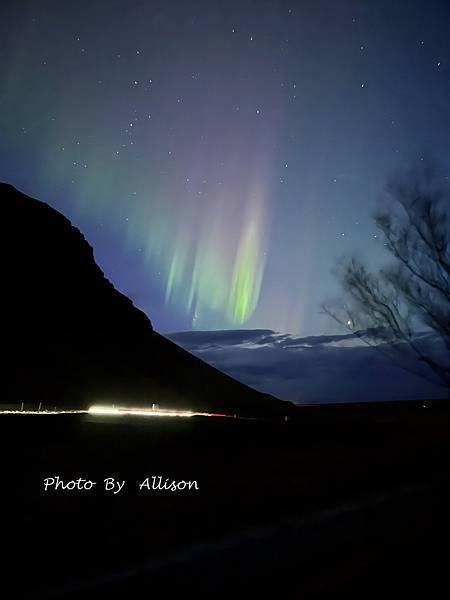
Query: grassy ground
333, 499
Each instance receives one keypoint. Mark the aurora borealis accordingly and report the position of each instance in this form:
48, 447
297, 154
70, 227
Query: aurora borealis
221, 156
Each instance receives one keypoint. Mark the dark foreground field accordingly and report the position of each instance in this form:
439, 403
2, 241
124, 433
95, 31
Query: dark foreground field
342, 500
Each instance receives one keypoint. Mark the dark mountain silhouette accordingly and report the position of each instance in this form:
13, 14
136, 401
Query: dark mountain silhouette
71, 339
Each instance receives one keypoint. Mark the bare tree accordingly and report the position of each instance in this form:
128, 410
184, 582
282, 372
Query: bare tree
386, 309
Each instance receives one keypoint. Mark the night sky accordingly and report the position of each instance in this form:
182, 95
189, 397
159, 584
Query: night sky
221, 156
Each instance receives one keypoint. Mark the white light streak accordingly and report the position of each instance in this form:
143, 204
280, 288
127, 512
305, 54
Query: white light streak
147, 412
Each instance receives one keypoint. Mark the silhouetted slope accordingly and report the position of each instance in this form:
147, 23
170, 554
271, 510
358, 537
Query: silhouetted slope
71, 339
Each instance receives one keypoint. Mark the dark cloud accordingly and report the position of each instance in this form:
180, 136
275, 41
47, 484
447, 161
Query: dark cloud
312, 369
198, 340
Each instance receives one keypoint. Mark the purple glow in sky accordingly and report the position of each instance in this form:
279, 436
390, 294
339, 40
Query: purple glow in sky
221, 156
